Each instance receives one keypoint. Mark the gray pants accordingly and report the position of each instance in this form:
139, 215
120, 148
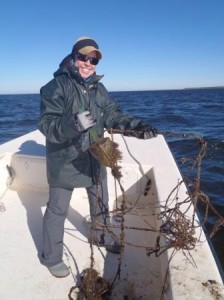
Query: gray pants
56, 213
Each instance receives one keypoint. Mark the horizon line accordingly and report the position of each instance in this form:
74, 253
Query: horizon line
142, 90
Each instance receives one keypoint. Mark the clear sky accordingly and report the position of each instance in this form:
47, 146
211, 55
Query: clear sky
146, 44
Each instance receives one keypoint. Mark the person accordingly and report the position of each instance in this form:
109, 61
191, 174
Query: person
73, 103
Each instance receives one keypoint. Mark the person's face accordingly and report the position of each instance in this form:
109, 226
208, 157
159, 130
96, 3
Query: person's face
86, 68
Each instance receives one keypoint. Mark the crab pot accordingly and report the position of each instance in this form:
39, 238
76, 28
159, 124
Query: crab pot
106, 152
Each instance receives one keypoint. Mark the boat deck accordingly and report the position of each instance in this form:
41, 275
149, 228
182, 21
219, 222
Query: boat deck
23, 198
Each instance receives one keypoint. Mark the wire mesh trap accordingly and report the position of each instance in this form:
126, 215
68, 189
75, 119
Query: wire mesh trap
107, 152
177, 229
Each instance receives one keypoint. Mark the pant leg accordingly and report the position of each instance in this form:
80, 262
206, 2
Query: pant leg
98, 202
53, 225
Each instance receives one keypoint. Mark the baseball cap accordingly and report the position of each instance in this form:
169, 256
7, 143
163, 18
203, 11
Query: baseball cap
85, 45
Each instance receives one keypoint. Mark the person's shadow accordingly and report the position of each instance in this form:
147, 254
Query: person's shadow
31, 147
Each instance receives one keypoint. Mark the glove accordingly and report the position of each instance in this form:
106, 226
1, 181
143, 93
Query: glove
145, 132
84, 120
150, 133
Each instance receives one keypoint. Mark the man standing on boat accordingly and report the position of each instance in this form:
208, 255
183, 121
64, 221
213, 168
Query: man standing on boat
75, 107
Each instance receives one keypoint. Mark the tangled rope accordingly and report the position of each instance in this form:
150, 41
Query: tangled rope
178, 228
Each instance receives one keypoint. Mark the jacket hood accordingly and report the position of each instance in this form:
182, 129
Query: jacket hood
67, 67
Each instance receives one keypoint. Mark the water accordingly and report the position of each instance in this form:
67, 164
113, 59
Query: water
197, 111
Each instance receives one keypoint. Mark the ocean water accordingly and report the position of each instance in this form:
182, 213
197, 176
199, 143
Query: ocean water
191, 111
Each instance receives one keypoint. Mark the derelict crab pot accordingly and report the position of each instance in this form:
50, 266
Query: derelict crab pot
106, 152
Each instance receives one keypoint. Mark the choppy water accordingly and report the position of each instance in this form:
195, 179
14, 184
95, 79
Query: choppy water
196, 111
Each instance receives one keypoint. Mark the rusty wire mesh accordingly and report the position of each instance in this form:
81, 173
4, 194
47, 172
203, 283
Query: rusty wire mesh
177, 228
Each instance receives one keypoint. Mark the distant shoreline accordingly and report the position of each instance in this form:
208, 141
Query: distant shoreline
171, 89
204, 88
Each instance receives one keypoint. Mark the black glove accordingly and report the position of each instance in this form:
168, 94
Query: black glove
145, 132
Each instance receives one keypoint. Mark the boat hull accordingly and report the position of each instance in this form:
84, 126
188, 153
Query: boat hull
149, 174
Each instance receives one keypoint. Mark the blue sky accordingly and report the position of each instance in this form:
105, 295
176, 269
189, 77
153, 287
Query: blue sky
146, 45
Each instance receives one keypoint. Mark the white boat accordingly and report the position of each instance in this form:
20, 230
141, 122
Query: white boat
150, 176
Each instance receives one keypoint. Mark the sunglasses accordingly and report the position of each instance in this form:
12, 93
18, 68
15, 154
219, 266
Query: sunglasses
93, 60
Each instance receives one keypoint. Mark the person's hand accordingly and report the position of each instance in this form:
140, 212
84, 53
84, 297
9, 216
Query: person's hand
85, 120
149, 133
145, 132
